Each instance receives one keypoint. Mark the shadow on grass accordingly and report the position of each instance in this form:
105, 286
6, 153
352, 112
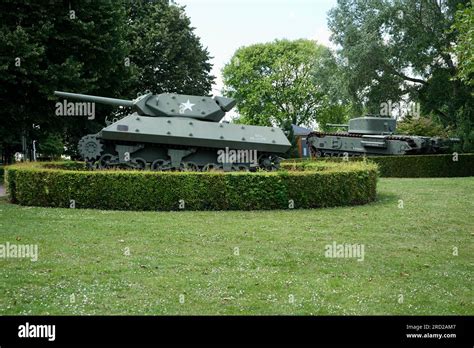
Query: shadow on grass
385, 197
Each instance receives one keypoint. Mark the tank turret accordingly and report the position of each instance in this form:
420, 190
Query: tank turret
166, 105
370, 124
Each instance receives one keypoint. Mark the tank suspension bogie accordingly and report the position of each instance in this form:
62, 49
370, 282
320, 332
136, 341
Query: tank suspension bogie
269, 162
191, 167
160, 165
212, 167
107, 161
139, 163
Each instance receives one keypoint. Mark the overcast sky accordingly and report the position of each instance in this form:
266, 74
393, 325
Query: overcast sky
226, 25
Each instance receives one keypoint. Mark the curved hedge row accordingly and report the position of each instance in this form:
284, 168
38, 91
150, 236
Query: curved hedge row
40, 185
421, 166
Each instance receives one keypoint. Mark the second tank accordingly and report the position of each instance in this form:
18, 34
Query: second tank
373, 135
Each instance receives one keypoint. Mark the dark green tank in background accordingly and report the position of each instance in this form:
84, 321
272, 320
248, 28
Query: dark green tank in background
373, 135
179, 132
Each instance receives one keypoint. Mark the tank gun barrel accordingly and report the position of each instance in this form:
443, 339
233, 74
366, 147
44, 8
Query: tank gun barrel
95, 99
337, 125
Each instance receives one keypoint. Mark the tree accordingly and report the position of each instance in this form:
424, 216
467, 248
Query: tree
55, 46
52, 146
394, 48
328, 76
333, 113
167, 54
273, 84
423, 126
92, 47
464, 50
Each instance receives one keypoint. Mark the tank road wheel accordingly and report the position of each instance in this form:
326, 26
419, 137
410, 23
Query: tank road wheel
91, 165
269, 162
319, 154
160, 165
139, 163
190, 167
240, 168
180, 168
107, 161
211, 167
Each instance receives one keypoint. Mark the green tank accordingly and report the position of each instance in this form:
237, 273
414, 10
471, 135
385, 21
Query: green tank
179, 132
372, 135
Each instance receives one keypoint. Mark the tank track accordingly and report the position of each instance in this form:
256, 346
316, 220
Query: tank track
348, 135
92, 150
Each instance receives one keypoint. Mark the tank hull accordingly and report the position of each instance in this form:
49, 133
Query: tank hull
186, 132
178, 143
338, 144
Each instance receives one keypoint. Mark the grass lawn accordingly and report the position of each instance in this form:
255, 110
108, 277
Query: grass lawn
262, 262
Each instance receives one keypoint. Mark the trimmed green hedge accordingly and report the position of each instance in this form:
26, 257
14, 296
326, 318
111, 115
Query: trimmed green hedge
66, 165
421, 166
425, 166
342, 184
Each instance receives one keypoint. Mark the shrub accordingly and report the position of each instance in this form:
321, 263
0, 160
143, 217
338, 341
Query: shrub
69, 165
421, 166
51, 146
422, 126
342, 184
428, 166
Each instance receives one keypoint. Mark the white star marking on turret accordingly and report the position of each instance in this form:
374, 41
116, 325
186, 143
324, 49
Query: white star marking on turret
186, 106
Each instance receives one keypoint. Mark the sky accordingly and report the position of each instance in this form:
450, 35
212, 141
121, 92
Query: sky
225, 25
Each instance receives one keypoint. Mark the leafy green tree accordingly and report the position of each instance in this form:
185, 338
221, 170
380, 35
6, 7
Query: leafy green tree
464, 49
47, 46
52, 146
393, 48
92, 47
333, 113
423, 126
273, 82
167, 54
336, 105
